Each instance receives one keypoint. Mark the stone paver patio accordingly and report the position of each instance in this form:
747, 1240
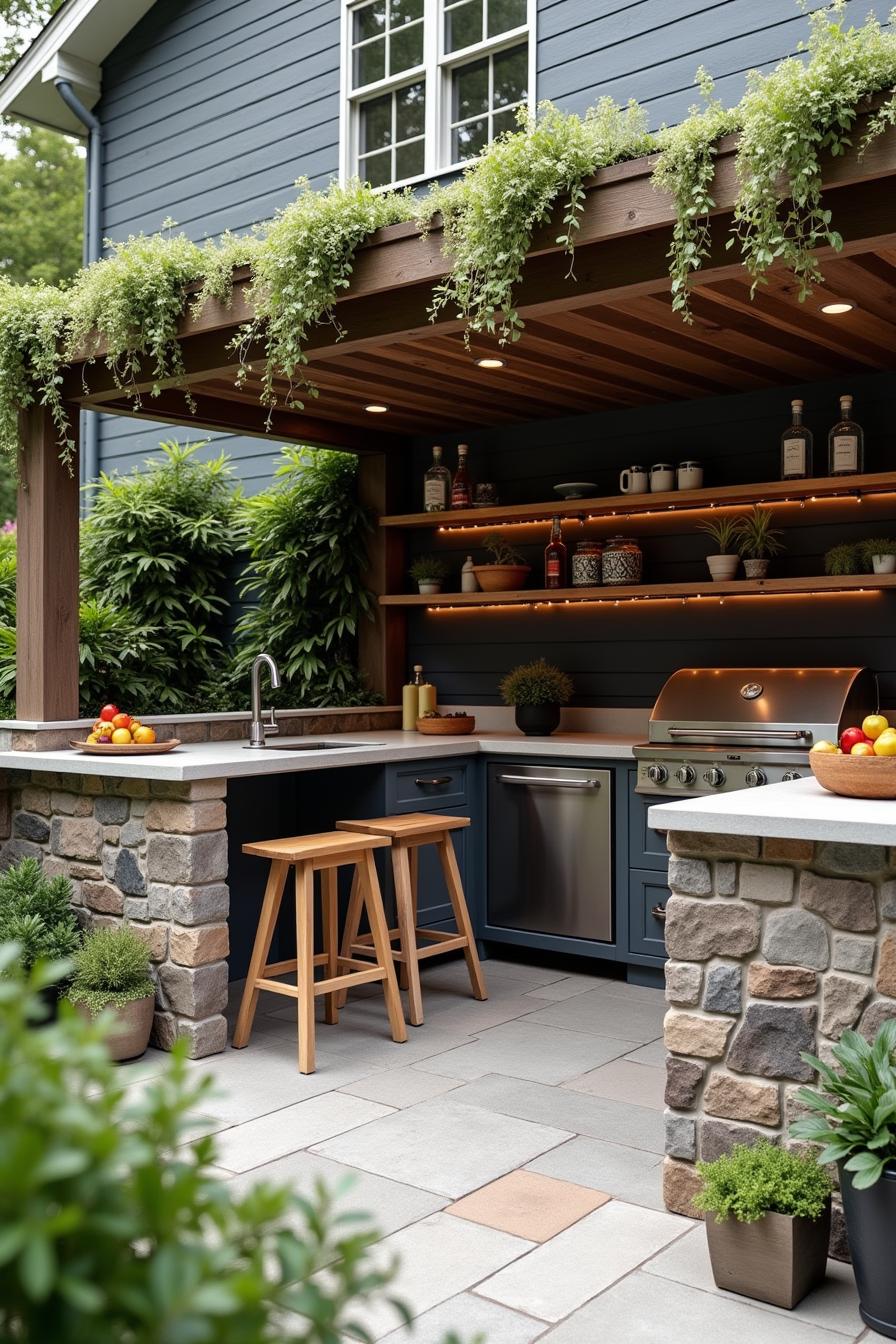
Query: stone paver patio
510, 1154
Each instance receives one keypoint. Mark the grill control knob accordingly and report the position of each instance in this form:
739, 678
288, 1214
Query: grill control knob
685, 774
755, 777
715, 777
790, 774
657, 774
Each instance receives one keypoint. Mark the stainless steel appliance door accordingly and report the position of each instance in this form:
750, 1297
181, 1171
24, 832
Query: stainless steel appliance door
550, 863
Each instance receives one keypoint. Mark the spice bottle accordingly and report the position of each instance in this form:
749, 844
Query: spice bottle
468, 580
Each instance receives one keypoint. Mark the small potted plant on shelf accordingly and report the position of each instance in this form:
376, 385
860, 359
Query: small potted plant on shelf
843, 559
879, 554
429, 573
770, 1222
724, 532
112, 975
854, 1117
36, 913
758, 541
537, 691
507, 569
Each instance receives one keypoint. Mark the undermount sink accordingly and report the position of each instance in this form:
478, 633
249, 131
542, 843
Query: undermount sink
319, 746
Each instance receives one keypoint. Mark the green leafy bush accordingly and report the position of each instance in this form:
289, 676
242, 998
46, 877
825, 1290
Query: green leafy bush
36, 913
111, 969
751, 1181
843, 559
855, 1109
868, 549
428, 569
538, 683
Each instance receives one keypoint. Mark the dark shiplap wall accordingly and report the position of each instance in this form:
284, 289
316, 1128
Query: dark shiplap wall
621, 656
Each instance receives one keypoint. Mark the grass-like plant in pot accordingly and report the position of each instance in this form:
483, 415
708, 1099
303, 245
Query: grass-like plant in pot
879, 554
725, 533
854, 1118
768, 1236
36, 913
507, 569
843, 559
537, 691
429, 573
112, 975
758, 541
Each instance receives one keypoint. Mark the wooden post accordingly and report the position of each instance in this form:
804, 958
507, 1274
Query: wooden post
47, 573
382, 642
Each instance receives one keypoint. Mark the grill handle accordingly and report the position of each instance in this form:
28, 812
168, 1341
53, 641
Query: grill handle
551, 783
727, 734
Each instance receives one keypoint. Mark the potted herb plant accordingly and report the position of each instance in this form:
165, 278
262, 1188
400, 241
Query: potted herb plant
507, 569
854, 1117
112, 974
36, 913
537, 691
724, 532
879, 554
758, 541
429, 573
768, 1236
842, 559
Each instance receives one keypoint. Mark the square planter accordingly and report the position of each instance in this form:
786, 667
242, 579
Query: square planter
778, 1259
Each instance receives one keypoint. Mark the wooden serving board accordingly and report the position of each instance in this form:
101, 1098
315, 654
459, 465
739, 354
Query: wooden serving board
126, 748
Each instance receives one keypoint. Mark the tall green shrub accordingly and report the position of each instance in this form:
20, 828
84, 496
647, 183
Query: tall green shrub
36, 913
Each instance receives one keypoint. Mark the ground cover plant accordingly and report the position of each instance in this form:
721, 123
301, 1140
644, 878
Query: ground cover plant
111, 969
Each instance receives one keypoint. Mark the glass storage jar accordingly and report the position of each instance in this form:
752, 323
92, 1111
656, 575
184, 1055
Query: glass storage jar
622, 561
586, 564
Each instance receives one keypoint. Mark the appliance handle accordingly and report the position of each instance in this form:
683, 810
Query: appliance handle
550, 783
723, 735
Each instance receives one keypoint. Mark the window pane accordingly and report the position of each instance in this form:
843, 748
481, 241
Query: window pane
369, 20
377, 169
511, 76
504, 15
376, 123
405, 48
470, 91
410, 109
469, 140
370, 62
409, 161
463, 25
504, 121
404, 11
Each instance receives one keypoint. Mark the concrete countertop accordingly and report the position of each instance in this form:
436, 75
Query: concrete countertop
798, 810
230, 760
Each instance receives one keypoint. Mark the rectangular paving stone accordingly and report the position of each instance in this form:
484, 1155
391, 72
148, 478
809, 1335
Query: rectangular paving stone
528, 1204
623, 1080
605, 1015
527, 1049
474, 1316
286, 1131
630, 1174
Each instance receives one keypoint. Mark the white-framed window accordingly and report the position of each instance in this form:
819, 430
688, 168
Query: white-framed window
427, 84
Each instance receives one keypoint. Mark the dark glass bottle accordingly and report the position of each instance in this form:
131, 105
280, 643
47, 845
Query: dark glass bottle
461, 489
555, 557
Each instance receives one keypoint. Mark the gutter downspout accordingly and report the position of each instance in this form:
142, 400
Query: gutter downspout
93, 249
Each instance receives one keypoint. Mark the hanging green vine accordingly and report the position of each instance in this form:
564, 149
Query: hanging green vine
32, 326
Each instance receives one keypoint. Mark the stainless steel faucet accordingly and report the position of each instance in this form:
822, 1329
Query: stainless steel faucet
260, 728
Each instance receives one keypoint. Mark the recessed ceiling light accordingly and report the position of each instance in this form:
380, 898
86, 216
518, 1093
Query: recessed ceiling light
376, 409
835, 309
490, 363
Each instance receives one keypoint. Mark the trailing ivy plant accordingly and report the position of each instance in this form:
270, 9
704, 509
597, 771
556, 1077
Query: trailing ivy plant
32, 330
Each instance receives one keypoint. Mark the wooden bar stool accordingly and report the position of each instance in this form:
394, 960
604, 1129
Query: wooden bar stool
407, 834
308, 854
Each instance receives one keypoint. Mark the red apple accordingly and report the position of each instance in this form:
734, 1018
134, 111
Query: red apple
121, 721
108, 712
850, 737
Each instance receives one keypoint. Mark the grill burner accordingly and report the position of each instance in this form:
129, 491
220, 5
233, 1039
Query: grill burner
713, 730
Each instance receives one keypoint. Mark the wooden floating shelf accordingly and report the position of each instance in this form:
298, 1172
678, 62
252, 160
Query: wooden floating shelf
670, 501
820, 585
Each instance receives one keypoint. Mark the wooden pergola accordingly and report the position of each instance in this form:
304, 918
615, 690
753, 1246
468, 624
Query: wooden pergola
606, 338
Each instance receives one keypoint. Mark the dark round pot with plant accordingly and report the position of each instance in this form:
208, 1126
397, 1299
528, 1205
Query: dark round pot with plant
112, 975
855, 1119
537, 691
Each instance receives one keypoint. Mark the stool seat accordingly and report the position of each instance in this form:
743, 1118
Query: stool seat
407, 826
322, 845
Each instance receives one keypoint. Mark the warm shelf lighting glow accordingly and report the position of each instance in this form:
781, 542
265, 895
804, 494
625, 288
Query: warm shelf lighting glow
836, 309
702, 598
490, 363
376, 409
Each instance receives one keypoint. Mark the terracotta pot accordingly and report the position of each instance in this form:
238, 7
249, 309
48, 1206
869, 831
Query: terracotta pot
778, 1259
722, 566
131, 1036
537, 720
756, 569
501, 578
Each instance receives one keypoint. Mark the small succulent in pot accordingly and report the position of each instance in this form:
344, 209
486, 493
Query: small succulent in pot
537, 691
724, 532
507, 569
843, 559
112, 974
879, 554
429, 573
758, 541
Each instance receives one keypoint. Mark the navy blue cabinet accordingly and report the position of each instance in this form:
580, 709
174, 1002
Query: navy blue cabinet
647, 890
448, 788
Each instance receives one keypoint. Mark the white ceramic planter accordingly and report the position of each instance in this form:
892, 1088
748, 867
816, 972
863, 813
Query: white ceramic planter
722, 567
884, 564
756, 569
429, 588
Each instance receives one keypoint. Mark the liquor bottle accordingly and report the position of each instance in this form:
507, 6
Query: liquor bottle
796, 447
461, 490
555, 557
846, 443
436, 484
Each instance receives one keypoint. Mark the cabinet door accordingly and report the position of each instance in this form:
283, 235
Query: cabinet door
433, 786
647, 848
648, 894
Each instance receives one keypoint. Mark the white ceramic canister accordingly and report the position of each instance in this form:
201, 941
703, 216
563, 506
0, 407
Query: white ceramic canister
662, 477
690, 476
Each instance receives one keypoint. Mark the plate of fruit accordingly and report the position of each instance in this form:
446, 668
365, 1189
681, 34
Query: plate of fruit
119, 734
862, 764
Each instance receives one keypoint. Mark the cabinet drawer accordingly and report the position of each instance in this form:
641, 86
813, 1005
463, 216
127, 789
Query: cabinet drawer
426, 784
647, 892
647, 848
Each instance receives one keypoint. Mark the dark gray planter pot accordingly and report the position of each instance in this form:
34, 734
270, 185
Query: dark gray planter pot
870, 1227
537, 720
778, 1259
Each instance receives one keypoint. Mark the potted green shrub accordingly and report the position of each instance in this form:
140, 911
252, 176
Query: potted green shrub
768, 1236
758, 541
112, 975
724, 532
507, 569
879, 554
842, 559
854, 1117
537, 691
36, 913
429, 573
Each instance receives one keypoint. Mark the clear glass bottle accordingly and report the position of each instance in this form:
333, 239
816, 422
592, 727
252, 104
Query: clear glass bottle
555, 557
846, 443
461, 487
436, 484
796, 447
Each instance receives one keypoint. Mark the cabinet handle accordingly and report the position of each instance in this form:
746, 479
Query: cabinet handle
433, 783
658, 911
552, 783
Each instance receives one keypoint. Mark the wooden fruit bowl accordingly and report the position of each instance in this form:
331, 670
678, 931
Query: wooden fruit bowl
855, 776
126, 748
457, 727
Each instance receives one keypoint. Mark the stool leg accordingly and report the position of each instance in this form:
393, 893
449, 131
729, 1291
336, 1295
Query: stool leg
330, 911
404, 905
305, 964
448, 860
267, 920
383, 947
352, 925
413, 856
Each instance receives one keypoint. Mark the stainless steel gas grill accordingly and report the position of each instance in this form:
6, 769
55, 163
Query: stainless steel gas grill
717, 729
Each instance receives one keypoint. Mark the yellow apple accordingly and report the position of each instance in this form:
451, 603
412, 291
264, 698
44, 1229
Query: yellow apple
862, 749
825, 746
874, 725
886, 743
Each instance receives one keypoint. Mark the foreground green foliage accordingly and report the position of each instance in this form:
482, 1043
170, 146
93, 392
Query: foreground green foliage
854, 1112
751, 1181
538, 683
36, 913
111, 969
